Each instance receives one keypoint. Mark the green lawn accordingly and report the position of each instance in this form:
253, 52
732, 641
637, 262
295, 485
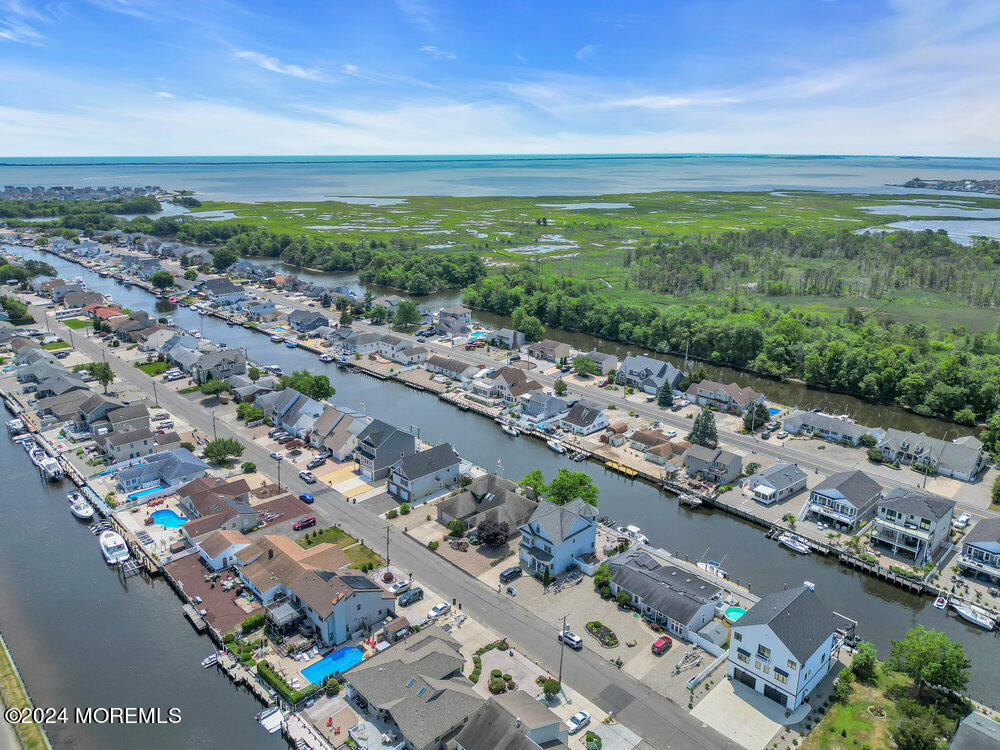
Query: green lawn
357, 553
360, 554
153, 368
189, 389
853, 720
55, 345
77, 323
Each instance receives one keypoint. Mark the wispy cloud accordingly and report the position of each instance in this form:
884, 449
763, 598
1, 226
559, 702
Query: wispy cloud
417, 12
277, 66
653, 101
437, 53
163, 95
587, 54
17, 23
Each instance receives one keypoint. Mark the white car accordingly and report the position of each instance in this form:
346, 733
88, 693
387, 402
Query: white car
782, 435
437, 610
570, 639
671, 433
577, 721
962, 521
276, 456
308, 477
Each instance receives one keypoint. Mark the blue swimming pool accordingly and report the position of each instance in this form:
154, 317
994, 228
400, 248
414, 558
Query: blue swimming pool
168, 518
773, 412
143, 493
339, 661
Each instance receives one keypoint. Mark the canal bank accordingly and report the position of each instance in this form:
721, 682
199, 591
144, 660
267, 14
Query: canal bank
884, 612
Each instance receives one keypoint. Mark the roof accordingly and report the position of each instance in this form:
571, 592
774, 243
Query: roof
963, 456
710, 455
827, 423
305, 316
493, 495
557, 521
503, 721
128, 436
546, 344
378, 432
427, 462
216, 287
127, 413
798, 616
985, 535
222, 540
855, 487
639, 365
738, 394
917, 502
674, 592
781, 475
649, 438
975, 732
582, 414
448, 364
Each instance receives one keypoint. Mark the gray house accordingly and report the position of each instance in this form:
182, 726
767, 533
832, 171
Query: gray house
508, 338
845, 500
713, 464
541, 406
417, 475
379, 447
304, 321
980, 554
488, 498
775, 483
913, 523
827, 427
605, 362
962, 458
584, 418
647, 374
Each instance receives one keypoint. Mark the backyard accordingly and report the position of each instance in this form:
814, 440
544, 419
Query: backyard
76, 323
361, 557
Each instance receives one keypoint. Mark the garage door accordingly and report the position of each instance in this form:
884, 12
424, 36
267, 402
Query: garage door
745, 678
776, 695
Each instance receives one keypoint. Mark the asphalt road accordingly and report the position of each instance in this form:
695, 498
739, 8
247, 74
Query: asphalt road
663, 723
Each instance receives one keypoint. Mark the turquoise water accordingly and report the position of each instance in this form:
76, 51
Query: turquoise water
143, 493
279, 329
168, 518
339, 661
735, 613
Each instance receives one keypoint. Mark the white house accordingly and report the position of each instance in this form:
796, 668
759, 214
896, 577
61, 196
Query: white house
557, 537
583, 419
775, 483
912, 522
218, 550
415, 476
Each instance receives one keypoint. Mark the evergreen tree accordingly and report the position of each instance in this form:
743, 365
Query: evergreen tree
703, 430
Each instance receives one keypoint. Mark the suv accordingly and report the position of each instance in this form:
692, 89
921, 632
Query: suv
437, 610
662, 645
571, 639
304, 523
510, 574
308, 477
316, 462
409, 597
400, 587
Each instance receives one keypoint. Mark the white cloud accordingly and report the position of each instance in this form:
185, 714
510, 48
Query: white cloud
16, 21
437, 53
669, 102
163, 95
418, 12
277, 66
587, 53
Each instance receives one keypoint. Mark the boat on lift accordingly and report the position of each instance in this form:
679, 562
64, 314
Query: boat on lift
327, 357
689, 500
113, 547
37, 456
713, 568
51, 469
275, 338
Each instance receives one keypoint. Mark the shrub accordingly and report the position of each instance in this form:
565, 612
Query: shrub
494, 673
497, 685
252, 623
404, 509
623, 598
228, 638
392, 513
249, 467
507, 677
433, 545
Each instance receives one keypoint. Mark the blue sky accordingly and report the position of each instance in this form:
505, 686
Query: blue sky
227, 77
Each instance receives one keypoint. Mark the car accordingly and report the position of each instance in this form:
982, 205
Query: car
515, 358
782, 435
161, 415
671, 433
400, 587
511, 590
565, 368
437, 610
603, 383
274, 432
308, 477
412, 596
276, 455
511, 574
962, 521
662, 645
765, 435
62, 355
306, 498
304, 523
284, 439
572, 640
421, 339
772, 425
165, 424
676, 407
316, 462
577, 721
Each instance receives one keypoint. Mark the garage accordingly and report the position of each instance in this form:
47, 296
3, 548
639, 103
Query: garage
776, 695
745, 677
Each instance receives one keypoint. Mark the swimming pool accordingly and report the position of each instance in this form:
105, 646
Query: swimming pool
143, 493
278, 329
168, 518
735, 613
339, 661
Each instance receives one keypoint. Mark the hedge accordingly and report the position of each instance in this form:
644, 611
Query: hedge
252, 623
275, 680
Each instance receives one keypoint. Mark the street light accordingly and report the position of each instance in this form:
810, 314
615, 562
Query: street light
562, 648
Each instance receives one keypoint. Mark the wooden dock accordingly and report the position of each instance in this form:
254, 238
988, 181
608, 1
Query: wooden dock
195, 617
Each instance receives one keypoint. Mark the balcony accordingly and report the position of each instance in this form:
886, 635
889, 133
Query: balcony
907, 529
989, 568
828, 512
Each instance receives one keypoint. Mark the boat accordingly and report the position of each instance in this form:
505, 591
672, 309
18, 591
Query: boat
290, 344
793, 543
555, 445
276, 339
713, 568
15, 427
326, 357
634, 533
29, 445
51, 469
82, 509
975, 615
941, 602
690, 500
210, 660
510, 429
37, 456
113, 547
579, 457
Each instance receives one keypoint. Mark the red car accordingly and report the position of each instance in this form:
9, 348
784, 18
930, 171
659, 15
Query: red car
662, 645
304, 523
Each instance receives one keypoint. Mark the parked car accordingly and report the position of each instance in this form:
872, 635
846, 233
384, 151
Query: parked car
400, 587
572, 640
306, 498
765, 435
274, 432
421, 339
511, 574
577, 721
662, 645
282, 439
565, 368
304, 523
511, 590
161, 415
671, 434
166, 424
962, 521
437, 610
316, 462
276, 455
308, 477
676, 407
412, 596
782, 435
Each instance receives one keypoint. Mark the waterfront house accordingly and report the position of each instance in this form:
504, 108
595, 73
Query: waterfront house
221, 364
541, 407
913, 523
487, 498
290, 410
245, 389
94, 411
417, 475
549, 350
676, 599
450, 368
256, 309
389, 345
456, 313
222, 291
669, 455
507, 338
379, 447
980, 555
713, 464
606, 363
508, 384
784, 646
304, 321
155, 341
513, 721
962, 458
427, 312
584, 419
388, 301
131, 417
58, 383
124, 446
365, 343
417, 688
827, 427
412, 355
165, 470
643, 440
845, 500
213, 504
59, 292
81, 299
729, 397
775, 483
336, 431
647, 374
558, 537
58, 410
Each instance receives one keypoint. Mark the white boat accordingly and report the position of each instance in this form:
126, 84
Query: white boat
975, 615
556, 445
37, 456
793, 543
326, 357
82, 509
276, 339
210, 660
29, 444
113, 547
941, 602
690, 500
15, 427
51, 469
634, 533
510, 429
713, 568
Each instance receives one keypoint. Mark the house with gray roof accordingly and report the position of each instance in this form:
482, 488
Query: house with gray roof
220, 363
166, 470
775, 483
379, 447
507, 338
976, 732
829, 428
558, 537
58, 383
540, 406
961, 460
912, 523
417, 475
450, 368
647, 374
980, 555
222, 291
124, 446
845, 501
606, 363
513, 721
584, 418
131, 417
713, 464
487, 498
304, 321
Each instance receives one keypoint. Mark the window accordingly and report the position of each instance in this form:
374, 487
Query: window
757, 664
763, 652
743, 656
359, 608
792, 664
823, 659
766, 669
737, 636
780, 676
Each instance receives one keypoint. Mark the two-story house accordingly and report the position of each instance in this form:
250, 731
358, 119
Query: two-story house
980, 555
420, 474
827, 427
913, 523
729, 397
220, 364
647, 374
713, 464
556, 537
549, 350
584, 419
507, 338
962, 458
380, 446
513, 721
222, 291
304, 321
129, 444
846, 500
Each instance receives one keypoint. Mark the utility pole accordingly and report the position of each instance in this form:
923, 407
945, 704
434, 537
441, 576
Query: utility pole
562, 648
156, 399
279, 473
387, 545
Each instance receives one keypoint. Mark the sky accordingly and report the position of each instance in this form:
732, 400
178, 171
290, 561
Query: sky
242, 77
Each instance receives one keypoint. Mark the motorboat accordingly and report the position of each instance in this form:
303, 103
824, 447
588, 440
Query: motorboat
634, 533
555, 445
51, 469
975, 615
510, 429
15, 427
713, 568
29, 445
794, 543
37, 456
941, 602
578, 457
82, 509
276, 339
210, 660
690, 500
113, 547
290, 344
326, 357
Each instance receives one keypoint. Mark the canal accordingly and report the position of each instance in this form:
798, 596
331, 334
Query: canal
883, 612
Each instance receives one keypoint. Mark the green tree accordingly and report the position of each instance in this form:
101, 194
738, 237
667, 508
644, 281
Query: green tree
326, 300
584, 365
221, 450
865, 662
560, 387
990, 435
527, 324
223, 258
378, 315
190, 274
703, 430
875, 455
995, 491
12, 271
623, 598
843, 688
965, 415
917, 732
102, 373
569, 485
16, 310
214, 386
407, 313
314, 386
249, 412
602, 576
346, 318
535, 480
162, 280
249, 467
665, 396
929, 657
756, 415
551, 688
254, 373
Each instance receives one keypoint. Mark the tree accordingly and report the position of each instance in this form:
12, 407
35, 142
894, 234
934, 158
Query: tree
102, 373
623, 598
695, 375
326, 300
221, 450
190, 274
214, 386
249, 467
493, 533
223, 258
378, 315
407, 313
584, 365
569, 485
254, 373
527, 324
995, 491
551, 688
875, 455
843, 687
991, 435
602, 576
249, 412
346, 318
751, 468
12, 271
535, 480
865, 662
162, 280
16, 310
560, 387
917, 732
929, 657
964, 415
665, 396
546, 576
314, 386
755, 416
703, 430
868, 440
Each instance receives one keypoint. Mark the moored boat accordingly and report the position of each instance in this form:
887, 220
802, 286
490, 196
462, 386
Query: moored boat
82, 509
113, 547
276, 339
510, 429
713, 568
555, 445
794, 543
975, 615
326, 357
210, 660
689, 500
37, 456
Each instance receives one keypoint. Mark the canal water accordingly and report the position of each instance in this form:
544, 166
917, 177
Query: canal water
883, 612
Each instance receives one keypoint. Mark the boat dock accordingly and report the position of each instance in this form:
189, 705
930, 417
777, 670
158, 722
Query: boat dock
195, 617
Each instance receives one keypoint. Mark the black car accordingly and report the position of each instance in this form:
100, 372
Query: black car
511, 574
409, 597
274, 432
318, 461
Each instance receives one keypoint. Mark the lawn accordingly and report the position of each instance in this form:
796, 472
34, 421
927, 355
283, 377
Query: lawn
851, 726
15, 697
77, 323
153, 368
55, 345
189, 389
360, 554
356, 552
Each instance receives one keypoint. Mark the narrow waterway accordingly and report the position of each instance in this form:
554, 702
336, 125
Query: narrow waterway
883, 612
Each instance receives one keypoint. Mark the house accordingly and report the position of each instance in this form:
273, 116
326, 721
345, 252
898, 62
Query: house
976, 732
304, 321
713, 464
427, 311
222, 291
133, 417
775, 483
845, 500
59, 292
337, 431
417, 688
730, 397
311, 588
56, 384
457, 314
58, 410
221, 364
257, 308
676, 599
487, 498
245, 389
913, 523
82, 299
642, 440
124, 446
784, 646
94, 412
388, 301
365, 343
647, 374
513, 721
389, 345
549, 350
165, 469
606, 363
827, 427
980, 555
557, 537
961, 458
507, 338
669, 455
155, 341
214, 504
584, 418
508, 384
450, 368
290, 410
541, 407
411, 355
379, 447
417, 475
